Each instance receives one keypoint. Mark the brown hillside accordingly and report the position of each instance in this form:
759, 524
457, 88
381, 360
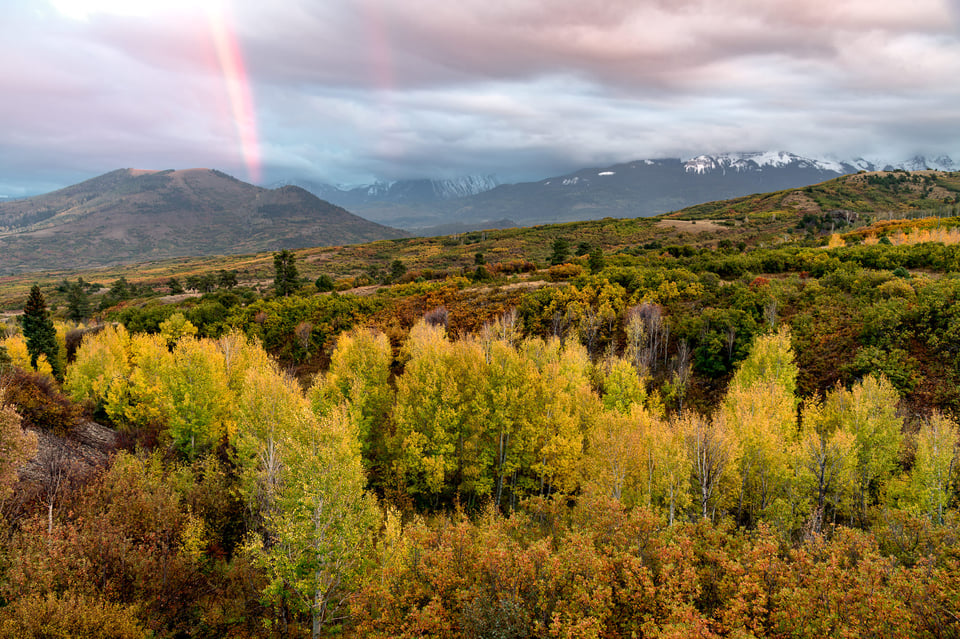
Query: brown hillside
133, 215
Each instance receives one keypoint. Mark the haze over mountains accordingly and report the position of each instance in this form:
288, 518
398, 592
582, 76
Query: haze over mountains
633, 189
131, 215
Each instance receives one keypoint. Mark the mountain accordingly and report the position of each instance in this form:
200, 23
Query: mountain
131, 215
407, 196
641, 188
634, 189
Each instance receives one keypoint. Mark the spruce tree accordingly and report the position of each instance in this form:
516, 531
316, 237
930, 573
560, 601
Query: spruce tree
39, 332
287, 279
78, 302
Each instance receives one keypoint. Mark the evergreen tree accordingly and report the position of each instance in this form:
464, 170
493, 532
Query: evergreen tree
561, 250
39, 332
325, 283
596, 261
287, 279
5, 359
397, 270
78, 301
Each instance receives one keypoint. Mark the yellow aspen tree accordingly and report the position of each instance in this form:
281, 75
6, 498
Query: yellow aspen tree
825, 462
358, 377
435, 416
321, 530
710, 448
269, 407
101, 366
868, 411
568, 404
622, 386
617, 459
935, 463
668, 465
240, 355
200, 399
144, 401
510, 380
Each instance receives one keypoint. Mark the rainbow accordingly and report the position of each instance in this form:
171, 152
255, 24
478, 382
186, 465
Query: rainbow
237, 81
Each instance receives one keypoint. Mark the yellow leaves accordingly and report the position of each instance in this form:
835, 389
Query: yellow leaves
100, 369
193, 538
175, 327
935, 463
16, 347
771, 360
836, 241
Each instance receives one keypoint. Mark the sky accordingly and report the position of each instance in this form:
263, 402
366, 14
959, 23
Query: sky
350, 91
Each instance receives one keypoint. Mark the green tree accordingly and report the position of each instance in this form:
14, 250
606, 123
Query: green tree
120, 290
5, 359
596, 261
358, 379
78, 301
397, 270
174, 285
760, 410
825, 460
561, 250
39, 332
325, 283
321, 530
287, 279
226, 279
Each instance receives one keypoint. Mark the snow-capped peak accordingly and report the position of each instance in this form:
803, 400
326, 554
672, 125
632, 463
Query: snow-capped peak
758, 161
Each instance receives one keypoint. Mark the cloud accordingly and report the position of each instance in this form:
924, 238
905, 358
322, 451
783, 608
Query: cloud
349, 91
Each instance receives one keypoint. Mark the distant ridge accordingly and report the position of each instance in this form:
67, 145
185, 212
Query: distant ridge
135, 215
640, 188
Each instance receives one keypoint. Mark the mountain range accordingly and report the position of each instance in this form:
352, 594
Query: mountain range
633, 189
131, 215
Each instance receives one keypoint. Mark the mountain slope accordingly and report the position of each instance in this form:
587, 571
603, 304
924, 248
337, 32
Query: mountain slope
634, 189
132, 215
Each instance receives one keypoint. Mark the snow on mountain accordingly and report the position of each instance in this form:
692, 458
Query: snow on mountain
758, 161
464, 186
920, 163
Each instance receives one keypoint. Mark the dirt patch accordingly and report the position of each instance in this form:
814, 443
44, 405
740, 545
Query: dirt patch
801, 202
89, 447
692, 225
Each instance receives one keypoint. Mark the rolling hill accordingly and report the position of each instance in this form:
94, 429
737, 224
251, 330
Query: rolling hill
131, 215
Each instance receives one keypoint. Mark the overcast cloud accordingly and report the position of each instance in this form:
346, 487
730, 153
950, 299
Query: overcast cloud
350, 91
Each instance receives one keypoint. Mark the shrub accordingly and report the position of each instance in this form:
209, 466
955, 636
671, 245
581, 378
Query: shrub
560, 272
40, 403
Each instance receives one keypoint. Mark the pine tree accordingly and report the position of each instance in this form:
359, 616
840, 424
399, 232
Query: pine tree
39, 332
78, 302
287, 279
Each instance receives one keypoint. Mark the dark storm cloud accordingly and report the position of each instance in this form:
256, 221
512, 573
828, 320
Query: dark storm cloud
349, 91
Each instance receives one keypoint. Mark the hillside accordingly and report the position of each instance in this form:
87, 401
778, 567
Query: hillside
133, 215
540, 403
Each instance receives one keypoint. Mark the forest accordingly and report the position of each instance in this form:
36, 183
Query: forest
749, 432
